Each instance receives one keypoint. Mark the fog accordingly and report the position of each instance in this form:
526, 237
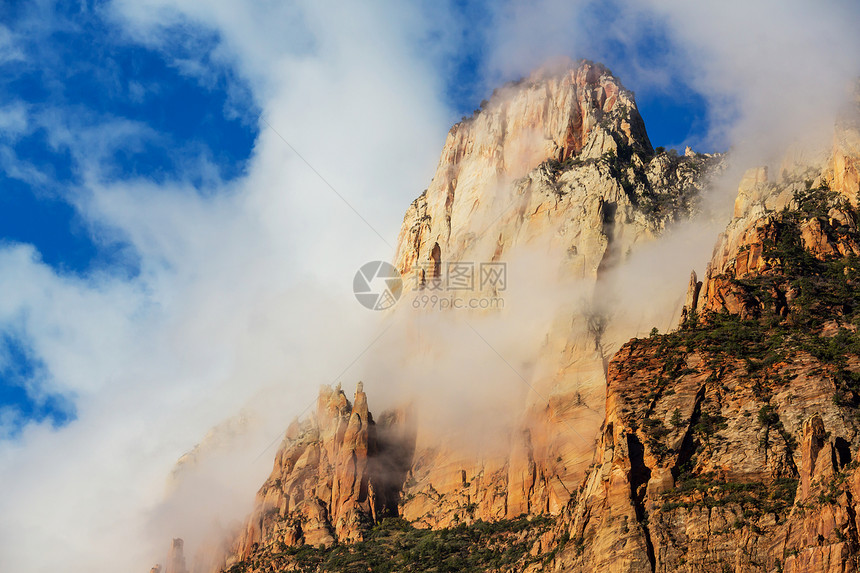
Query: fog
244, 303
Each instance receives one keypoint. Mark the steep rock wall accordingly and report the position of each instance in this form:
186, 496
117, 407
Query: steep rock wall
733, 444
560, 159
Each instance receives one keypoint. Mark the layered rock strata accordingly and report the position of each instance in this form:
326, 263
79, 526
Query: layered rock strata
733, 444
561, 160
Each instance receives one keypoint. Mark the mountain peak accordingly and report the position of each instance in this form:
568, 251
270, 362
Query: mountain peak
561, 110
576, 117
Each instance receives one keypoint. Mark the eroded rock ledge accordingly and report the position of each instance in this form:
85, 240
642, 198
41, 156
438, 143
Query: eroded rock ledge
336, 474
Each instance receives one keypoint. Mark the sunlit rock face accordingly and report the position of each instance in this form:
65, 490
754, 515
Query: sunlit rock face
730, 444
576, 114
733, 444
555, 177
741, 251
556, 168
335, 474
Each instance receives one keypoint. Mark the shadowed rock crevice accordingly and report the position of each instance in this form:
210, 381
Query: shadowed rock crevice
390, 468
640, 474
688, 445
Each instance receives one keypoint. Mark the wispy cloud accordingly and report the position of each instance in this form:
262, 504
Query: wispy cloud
243, 292
9, 50
243, 297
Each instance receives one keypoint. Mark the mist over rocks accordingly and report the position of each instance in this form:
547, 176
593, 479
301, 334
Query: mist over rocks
728, 440
554, 176
732, 443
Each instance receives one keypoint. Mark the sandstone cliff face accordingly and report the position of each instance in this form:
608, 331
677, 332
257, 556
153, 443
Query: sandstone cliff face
333, 477
560, 159
582, 128
718, 469
827, 200
843, 173
583, 112
733, 443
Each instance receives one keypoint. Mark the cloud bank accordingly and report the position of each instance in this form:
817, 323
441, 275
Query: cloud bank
242, 297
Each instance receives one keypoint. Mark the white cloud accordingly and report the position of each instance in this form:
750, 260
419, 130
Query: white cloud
774, 72
9, 50
13, 120
244, 295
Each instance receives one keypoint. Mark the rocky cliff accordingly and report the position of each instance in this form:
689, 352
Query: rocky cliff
561, 160
562, 150
335, 475
729, 444
732, 444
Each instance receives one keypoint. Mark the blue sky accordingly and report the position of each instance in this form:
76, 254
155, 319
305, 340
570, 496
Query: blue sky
80, 71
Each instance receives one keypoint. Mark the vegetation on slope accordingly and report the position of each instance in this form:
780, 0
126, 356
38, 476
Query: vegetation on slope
803, 315
396, 546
